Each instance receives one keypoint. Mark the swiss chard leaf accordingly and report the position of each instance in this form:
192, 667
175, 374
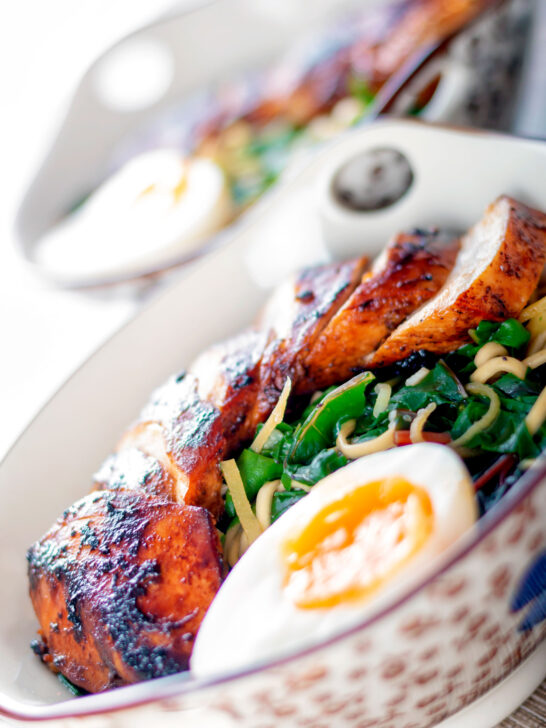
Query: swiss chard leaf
509, 333
279, 442
519, 441
438, 386
324, 463
507, 434
512, 386
318, 430
283, 501
255, 469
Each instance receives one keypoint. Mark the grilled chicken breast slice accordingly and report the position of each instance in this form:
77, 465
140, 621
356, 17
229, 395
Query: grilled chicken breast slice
408, 26
228, 376
388, 37
120, 585
295, 316
497, 270
173, 450
411, 270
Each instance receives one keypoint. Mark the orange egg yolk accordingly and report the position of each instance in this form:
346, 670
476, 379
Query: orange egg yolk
356, 543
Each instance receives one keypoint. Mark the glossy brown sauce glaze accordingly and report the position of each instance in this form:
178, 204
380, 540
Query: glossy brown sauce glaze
499, 267
412, 270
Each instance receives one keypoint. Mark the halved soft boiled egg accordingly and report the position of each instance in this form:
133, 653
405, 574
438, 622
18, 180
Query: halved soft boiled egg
357, 540
157, 207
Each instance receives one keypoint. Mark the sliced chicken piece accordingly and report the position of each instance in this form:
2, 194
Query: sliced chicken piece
188, 427
173, 450
411, 270
497, 270
229, 377
403, 29
120, 585
384, 39
133, 469
294, 318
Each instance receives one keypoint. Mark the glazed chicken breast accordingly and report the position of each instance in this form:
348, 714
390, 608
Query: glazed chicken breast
121, 583
412, 270
387, 39
497, 270
295, 317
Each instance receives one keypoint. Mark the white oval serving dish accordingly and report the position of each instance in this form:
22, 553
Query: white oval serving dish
422, 658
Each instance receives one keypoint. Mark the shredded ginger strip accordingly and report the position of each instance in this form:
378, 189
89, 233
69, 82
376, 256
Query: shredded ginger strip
383, 392
274, 419
249, 522
489, 417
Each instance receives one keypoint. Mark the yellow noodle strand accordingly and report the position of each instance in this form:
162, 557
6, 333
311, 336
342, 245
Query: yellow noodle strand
489, 417
231, 544
537, 413
416, 427
536, 360
499, 365
537, 343
301, 486
487, 352
358, 449
416, 378
264, 500
533, 310
536, 326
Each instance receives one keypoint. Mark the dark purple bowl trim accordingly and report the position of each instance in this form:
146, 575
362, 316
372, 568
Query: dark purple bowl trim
170, 687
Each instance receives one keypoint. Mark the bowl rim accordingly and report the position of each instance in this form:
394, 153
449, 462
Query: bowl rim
180, 684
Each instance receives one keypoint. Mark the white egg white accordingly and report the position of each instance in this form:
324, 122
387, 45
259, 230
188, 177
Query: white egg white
156, 207
253, 620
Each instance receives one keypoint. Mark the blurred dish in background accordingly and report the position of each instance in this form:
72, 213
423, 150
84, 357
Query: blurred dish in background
235, 140
157, 205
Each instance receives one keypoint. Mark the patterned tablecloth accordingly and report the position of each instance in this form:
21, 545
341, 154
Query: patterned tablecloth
532, 713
